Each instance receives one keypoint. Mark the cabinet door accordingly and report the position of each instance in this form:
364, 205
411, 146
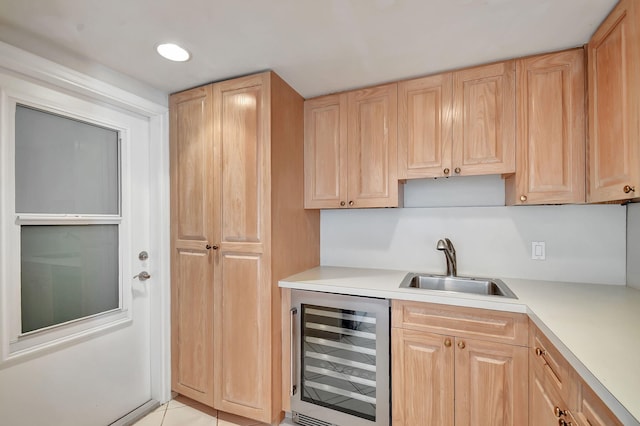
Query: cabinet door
484, 120
242, 301
591, 410
191, 231
551, 130
325, 152
490, 383
425, 127
422, 378
372, 147
542, 401
614, 106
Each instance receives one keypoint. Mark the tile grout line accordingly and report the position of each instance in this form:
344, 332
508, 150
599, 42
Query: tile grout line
164, 413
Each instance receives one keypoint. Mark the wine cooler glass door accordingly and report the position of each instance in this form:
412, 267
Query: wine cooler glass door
343, 357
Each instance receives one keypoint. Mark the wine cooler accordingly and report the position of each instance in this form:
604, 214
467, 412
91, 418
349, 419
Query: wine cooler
339, 360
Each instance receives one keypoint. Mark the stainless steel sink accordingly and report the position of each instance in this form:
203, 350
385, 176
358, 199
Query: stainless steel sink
485, 286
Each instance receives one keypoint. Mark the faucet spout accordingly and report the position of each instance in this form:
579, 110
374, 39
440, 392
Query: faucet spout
446, 246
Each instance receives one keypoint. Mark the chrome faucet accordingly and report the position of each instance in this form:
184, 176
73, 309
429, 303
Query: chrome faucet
450, 253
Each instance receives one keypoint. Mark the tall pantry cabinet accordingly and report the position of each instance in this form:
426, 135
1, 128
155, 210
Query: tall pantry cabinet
238, 226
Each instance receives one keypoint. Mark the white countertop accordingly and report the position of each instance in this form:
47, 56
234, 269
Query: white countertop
596, 327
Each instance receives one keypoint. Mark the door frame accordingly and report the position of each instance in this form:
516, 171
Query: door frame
60, 77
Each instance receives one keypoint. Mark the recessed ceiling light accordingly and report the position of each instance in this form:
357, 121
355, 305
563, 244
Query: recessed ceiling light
173, 52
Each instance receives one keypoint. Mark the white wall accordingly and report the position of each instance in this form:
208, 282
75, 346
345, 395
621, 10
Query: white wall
583, 243
633, 245
51, 51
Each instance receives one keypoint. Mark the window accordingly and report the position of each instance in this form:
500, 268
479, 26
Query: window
68, 214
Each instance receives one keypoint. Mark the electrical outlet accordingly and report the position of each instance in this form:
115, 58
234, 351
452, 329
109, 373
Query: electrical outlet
538, 250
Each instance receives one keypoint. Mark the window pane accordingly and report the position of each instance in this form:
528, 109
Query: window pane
64, 166
68, 272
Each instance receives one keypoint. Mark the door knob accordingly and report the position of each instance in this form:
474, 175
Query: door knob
142, 276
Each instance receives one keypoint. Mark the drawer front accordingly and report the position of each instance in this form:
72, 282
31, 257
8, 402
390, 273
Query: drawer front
550, 364
495, 326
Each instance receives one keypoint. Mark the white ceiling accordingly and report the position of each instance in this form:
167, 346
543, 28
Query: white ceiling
318, 46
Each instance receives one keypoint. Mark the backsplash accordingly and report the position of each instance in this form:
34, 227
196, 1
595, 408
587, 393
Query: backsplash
584, 243
633, 245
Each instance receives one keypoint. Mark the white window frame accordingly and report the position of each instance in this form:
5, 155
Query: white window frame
15, 345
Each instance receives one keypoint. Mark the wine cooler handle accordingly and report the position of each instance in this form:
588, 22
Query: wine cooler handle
292, 390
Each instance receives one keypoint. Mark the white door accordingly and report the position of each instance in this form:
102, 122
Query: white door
75, 326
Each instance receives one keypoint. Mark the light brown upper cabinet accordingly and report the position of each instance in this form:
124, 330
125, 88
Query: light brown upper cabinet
425, 126
614, 106
550, 134
351, 149
484, 120
325, 151
458, 124
238, 226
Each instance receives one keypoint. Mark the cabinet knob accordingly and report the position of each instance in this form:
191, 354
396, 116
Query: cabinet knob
209, 247
342, 203
558, 412
461, 345
540, 352
523, 198
627, 189
447, 342
446, 171
457, 170
351, 203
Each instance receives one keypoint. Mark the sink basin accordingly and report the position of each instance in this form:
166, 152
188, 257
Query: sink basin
484, 286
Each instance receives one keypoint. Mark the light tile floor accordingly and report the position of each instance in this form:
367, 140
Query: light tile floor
184, 412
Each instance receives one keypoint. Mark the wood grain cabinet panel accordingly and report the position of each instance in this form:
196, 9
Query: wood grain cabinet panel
351, 157
238, 226
446, 378
325, 139
543, 400
475, 323
557, 393
422, 363
242, 332
551, 365
425, 126
191, 229
590, 409
484, 120
458, 124
614, 106
551, 133
491, 383
372, 147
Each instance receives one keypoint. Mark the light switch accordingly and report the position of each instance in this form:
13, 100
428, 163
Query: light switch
538, 251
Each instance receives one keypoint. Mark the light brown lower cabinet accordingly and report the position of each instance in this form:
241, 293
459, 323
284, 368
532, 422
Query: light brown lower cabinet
557, 394
423, 378
453, 377
455, 366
